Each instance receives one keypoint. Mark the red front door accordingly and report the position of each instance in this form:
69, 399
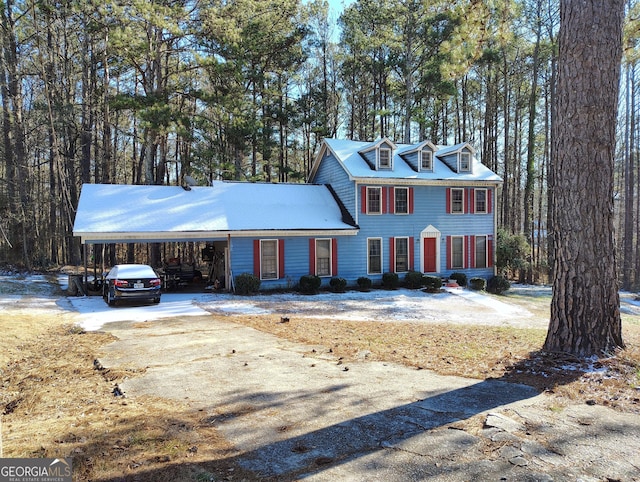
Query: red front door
429, 255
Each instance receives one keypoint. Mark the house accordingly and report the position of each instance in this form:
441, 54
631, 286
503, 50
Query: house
418, 207
367, 208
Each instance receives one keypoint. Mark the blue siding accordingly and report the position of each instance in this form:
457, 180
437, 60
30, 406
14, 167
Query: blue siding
412, 160
241, 255
370, 156
296, 260
451, 160
429, 208
331, 172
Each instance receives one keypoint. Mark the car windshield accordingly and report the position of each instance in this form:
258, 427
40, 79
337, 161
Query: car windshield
135, 271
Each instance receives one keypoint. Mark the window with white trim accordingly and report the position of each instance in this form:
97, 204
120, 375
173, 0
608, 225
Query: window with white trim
268, 259
457, 201
374, 200
401, 201
480, 201
323, 257
401, 255
384, 158
374, 250
481, 252
426, 161
465, 161
457, 252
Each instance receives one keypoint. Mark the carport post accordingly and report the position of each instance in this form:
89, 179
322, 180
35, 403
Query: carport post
85, 282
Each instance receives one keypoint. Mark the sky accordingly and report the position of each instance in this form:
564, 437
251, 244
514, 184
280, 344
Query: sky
337, 6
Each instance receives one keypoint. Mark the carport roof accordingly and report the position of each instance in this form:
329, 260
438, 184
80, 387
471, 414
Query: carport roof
109, 213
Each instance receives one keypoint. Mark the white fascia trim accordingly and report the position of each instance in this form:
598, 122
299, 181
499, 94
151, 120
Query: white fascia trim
369, 181
104, 238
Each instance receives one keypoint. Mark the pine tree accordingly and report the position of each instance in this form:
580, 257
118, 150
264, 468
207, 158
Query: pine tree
585, 314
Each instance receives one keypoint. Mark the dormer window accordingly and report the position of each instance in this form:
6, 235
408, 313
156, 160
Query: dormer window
465, 161
384, 158
426, 160
379, 154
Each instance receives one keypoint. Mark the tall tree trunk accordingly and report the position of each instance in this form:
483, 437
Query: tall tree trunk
629, 181
585, 314
108, 163
15, 148
531, 144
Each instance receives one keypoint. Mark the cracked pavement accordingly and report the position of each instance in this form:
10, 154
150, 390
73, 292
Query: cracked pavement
295, 411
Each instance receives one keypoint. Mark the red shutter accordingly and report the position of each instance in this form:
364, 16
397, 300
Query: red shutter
489, 207
448, 200
411, 254
383, 208
392, 255
363, 199
465, 201
489, 252
392, 200
473, 252
465, 252
334, 257
256, 257
472, 201
281, 258
449, 249
312, 256
410, 200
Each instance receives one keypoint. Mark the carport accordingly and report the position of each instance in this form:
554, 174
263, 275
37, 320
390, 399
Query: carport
116, 213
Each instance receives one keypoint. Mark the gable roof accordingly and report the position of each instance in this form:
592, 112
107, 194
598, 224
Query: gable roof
448, 150
127, 213
347, 154
375, 144
410, 148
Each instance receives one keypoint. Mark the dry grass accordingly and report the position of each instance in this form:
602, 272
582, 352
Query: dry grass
56, 402
511, 354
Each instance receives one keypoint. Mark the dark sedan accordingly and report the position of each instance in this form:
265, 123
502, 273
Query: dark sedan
135, 282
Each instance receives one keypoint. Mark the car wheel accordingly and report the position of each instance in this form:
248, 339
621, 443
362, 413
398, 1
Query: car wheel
156, 300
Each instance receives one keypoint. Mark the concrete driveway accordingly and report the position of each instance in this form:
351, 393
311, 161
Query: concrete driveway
297, 412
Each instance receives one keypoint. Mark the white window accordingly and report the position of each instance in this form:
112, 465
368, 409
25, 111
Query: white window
374, 200
269, 259
480, 200
457, 201
374, 249
426, 161
323, 257
457, 252
401, 255
465, 161
384, 158
481, 252
401, 200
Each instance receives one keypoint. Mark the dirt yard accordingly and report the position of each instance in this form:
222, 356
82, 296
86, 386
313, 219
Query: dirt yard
56, 400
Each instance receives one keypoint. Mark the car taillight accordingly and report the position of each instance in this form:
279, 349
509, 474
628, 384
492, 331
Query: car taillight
155, 282
120, 283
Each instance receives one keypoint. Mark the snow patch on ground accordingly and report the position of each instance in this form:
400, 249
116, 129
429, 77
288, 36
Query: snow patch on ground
452, 306
455, 305
93, 313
